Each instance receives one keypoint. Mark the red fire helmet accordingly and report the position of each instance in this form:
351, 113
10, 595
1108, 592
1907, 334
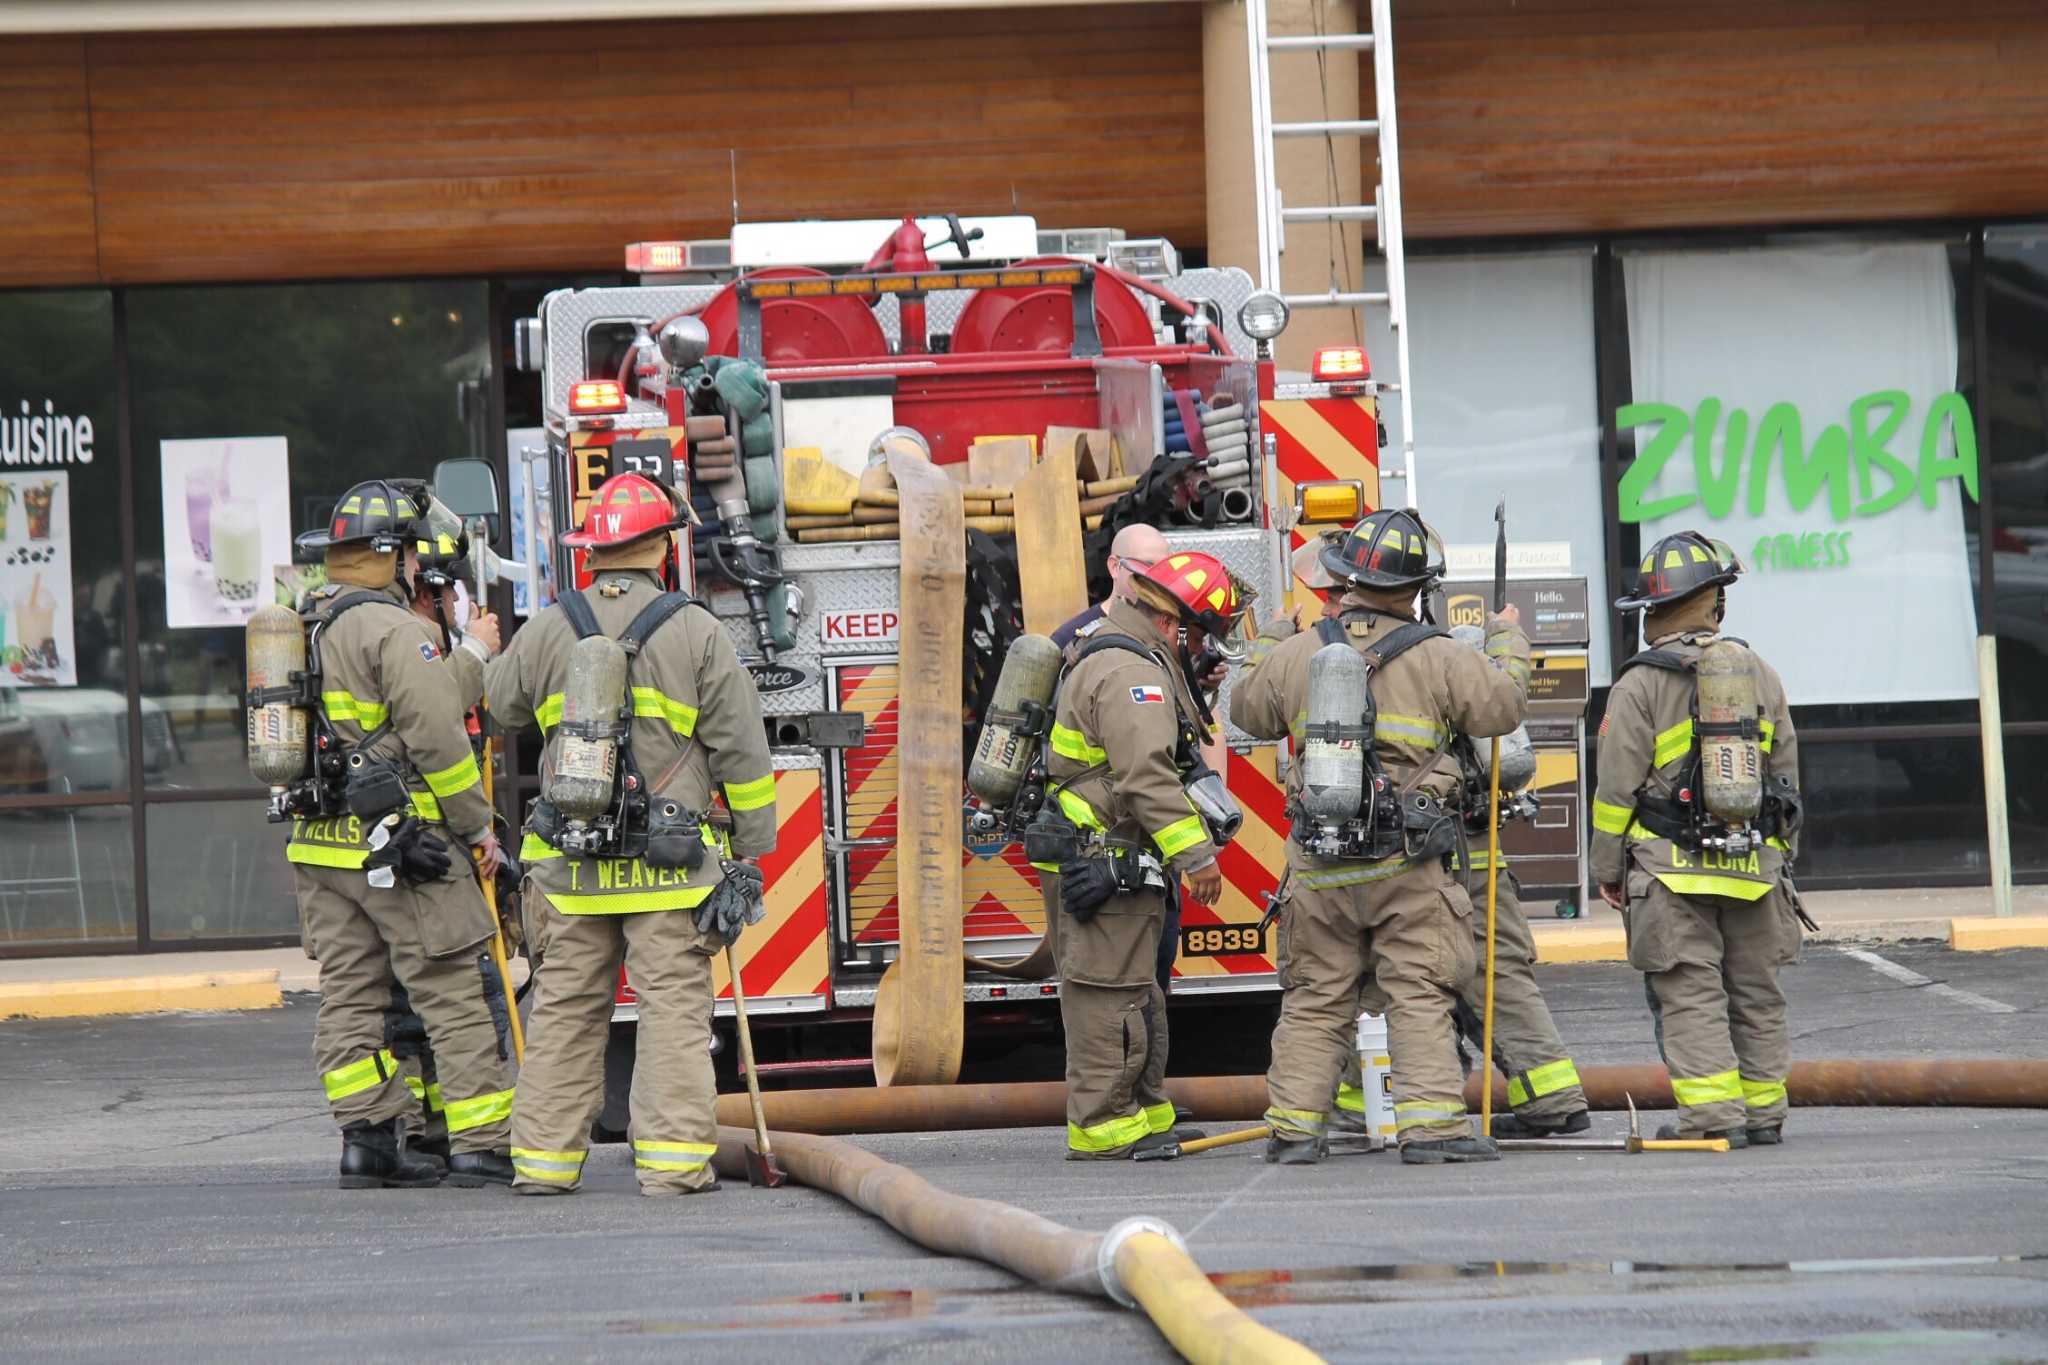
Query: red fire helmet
625, 508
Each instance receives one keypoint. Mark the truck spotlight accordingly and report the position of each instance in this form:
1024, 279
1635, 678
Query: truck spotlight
1263, 316
684, 341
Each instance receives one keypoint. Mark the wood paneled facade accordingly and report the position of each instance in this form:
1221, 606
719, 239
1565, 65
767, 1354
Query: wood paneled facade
374, 152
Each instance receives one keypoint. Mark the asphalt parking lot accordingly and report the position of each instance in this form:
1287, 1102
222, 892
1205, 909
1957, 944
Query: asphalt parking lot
166, 1192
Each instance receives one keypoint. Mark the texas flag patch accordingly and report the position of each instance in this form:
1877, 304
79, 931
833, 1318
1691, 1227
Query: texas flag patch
1142, 695
428, 652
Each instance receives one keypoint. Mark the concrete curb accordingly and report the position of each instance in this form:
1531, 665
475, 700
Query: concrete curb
1567, 942
1579, 942
1988, 933
255, 990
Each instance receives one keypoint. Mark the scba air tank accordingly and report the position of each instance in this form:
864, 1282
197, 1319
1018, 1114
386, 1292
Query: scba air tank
1333, 755
1731, 762
276, 649
1004, 752
587, 744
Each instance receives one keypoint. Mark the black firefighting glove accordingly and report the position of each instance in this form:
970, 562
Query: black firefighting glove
733, 904
410, 850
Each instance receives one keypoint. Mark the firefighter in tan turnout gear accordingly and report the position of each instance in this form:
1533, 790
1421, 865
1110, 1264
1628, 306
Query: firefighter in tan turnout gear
1375, 917
1139, 813
465, 650
382, 894
623, 862
1695, 823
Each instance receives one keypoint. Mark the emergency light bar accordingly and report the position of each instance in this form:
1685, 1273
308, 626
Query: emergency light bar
1337, 364
671, 258
1329, 501
595, 396
869, 286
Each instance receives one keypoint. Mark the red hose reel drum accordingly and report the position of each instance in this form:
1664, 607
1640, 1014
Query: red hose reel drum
1041, 318
797, 331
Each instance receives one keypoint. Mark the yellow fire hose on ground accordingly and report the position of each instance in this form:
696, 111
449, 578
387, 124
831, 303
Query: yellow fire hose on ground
1140, 1263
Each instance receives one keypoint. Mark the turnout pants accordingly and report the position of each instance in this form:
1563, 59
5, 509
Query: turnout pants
1710, 969
1399, 945
1542, 1082
561, 1088
365, 939
1114, 1014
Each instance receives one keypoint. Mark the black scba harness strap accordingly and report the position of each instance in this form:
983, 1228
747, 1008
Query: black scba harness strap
672, 835
1189, 748
633, 638
1686, 821
325, 792
1388, 823
1086, 882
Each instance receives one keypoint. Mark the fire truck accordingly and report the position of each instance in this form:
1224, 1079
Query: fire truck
960, 330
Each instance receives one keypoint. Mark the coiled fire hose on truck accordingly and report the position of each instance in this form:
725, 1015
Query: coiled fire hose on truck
1140, 1263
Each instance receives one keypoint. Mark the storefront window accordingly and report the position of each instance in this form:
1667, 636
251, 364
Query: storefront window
63, 661
1802, 403
216, 870
255, 409
1502, 349
2016, 324
1892, 807
67, 874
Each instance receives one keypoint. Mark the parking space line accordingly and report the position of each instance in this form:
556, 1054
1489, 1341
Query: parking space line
1906, 975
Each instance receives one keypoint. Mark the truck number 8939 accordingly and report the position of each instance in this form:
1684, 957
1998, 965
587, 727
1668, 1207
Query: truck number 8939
1214, 940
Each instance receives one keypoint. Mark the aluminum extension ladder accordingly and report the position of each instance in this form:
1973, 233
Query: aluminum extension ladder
1383, 210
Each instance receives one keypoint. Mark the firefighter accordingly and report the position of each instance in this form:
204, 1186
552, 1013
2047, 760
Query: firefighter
435, 578
1383, 923
382, 897
1708, 903
1133, 550
1125, 741
1544, 1095
696, 729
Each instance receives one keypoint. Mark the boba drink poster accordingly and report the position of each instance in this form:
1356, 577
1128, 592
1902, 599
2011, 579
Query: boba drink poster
36, 648
227, 524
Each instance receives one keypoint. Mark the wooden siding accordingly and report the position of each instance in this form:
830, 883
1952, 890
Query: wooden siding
136, 158
1548, 116
265, 155
47, 233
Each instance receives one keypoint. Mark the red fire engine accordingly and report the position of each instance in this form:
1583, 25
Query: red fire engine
993, 329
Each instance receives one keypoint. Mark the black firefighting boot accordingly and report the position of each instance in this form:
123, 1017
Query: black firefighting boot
1769, 1136
372, 1159
472, 1170
1281, 1151
1439, 1151
1515, 1126
1738, 1138
433, 1151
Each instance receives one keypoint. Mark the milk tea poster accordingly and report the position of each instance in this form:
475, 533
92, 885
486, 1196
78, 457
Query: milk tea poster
227, 523
36, 645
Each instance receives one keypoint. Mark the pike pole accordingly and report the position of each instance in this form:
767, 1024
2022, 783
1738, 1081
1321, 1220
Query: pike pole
1500, 601
499, 958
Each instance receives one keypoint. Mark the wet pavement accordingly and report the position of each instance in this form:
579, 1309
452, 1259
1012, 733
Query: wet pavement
166, 1192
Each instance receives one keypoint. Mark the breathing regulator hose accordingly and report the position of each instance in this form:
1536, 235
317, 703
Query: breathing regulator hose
1140, 1263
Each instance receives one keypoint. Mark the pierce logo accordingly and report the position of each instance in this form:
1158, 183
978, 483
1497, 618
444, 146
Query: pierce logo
777, 677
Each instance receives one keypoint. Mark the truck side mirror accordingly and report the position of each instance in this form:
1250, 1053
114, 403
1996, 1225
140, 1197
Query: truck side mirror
469, 489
